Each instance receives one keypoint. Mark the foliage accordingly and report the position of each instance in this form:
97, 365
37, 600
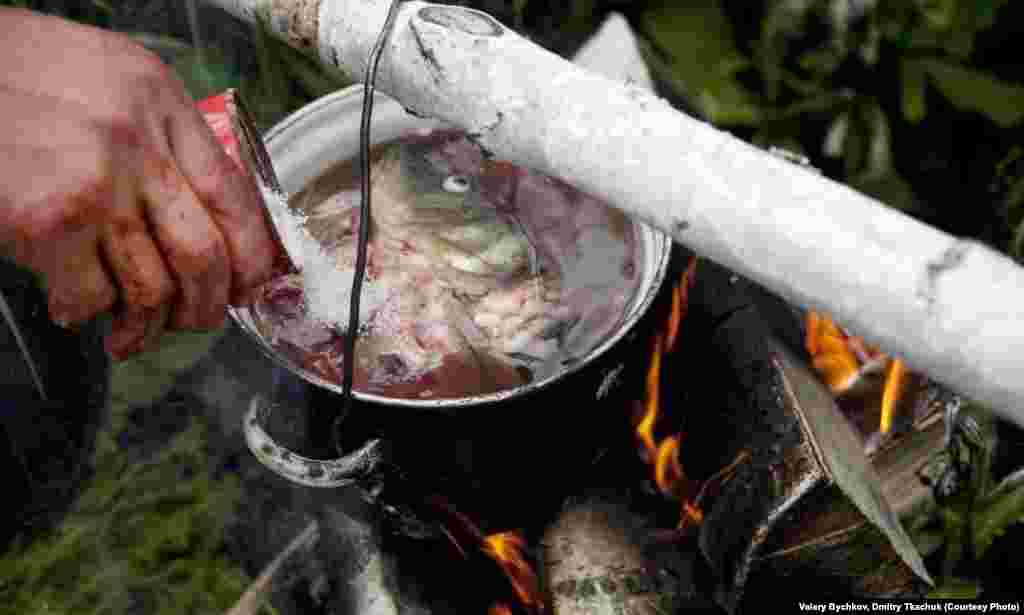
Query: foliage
839, 63
975, 510
143, 537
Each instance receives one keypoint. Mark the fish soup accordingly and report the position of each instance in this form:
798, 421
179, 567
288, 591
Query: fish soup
481, 276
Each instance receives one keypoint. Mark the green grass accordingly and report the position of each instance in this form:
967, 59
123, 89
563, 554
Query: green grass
143, 537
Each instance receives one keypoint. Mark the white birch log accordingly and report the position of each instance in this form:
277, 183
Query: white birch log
951, 308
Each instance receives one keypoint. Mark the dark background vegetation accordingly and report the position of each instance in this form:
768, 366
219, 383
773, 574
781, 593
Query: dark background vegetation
917, 102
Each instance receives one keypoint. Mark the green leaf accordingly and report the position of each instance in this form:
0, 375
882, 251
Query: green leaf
912, 77
835, 138
867, 154
890, 188
938, 14
1017, 246
999, 509
821, 61
856, 143
269, 93
956, 589
828, 102
976, 91
703, 60
781, 24
842, 455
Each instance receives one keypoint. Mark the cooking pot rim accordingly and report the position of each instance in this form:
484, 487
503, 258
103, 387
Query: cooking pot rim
661, 252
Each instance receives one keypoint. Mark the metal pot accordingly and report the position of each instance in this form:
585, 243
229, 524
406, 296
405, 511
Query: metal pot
326, 132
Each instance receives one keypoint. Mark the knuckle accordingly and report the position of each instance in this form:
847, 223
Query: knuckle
164, 292
202, 255
218, 182
68, 306
69, 210
123, 131
149, 293
163, 174
160, 294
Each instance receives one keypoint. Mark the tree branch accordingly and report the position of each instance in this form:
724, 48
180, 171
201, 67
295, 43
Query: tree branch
951, 308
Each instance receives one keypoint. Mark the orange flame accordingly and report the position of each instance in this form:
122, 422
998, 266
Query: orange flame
895, 383
680, 304
831, 353
499, 609
668, 472
645, 428
841, 360
506, 548
664, 455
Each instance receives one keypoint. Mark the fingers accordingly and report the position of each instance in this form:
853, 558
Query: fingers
231, 198
120, 152
136, 330
191, 243
79, 286
147, 287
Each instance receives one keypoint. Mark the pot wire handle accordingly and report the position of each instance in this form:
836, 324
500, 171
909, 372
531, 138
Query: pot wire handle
348, 373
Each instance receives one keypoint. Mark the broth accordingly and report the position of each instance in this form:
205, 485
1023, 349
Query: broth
482, 276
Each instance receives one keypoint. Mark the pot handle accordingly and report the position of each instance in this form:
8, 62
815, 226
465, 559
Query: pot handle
354, 468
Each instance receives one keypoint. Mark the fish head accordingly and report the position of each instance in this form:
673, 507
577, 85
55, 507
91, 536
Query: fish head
432, 189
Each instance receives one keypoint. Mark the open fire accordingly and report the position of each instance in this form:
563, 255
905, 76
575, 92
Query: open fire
506, 548
849, 365
663, 455
617, 533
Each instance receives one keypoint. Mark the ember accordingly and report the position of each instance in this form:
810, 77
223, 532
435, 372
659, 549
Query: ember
506, 549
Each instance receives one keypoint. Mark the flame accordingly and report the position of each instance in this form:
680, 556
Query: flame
831, 353
664, 455
668, 472
499, 609
506, 548
895, 383
645, 428
691, 514
842, 359
680, 304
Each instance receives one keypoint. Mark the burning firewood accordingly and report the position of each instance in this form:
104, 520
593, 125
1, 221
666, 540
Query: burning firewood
594, 563
808, 506
879, 393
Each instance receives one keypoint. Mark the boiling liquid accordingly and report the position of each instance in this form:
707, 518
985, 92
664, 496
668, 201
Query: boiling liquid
482, 276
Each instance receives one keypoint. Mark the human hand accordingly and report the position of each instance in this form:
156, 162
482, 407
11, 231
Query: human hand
115, 190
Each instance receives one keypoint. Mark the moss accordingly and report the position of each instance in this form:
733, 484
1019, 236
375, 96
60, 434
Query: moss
142, 538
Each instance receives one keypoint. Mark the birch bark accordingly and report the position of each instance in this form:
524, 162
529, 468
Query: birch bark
950, 307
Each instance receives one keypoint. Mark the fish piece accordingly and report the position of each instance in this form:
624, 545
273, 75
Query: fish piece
473, 265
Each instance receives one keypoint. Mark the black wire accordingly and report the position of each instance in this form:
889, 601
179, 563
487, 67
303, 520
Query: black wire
364, 220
